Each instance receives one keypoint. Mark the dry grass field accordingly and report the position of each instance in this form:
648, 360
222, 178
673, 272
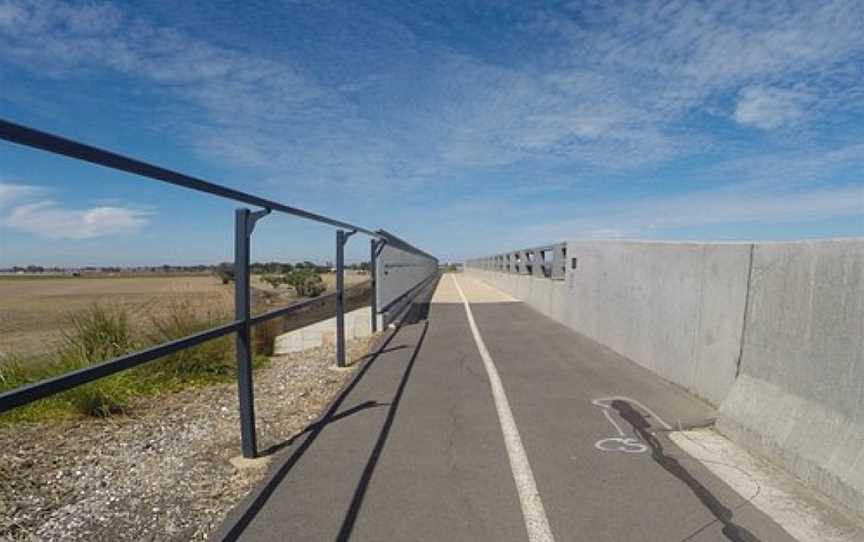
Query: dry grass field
34, 311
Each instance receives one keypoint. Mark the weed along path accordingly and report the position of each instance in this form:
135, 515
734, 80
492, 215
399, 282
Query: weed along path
163, 470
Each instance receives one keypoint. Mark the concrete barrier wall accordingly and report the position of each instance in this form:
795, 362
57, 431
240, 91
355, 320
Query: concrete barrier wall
772, 333
675, 308
800, 397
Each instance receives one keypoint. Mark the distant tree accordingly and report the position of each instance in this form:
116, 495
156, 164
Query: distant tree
306, 282
275, 280
225, 271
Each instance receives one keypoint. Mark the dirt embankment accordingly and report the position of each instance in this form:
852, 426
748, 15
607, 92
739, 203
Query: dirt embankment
163, 472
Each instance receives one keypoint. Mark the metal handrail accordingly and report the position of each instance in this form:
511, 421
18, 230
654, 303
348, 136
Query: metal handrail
398, 242
245, 220
37, 139
28, 137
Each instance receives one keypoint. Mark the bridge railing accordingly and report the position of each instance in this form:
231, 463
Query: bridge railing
244, 225
547, 261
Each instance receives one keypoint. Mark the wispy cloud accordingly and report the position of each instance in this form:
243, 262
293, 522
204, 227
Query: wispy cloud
683, 54
49, 220
399, 105
729, 206
769, 108
612, 86
10, 193
818, 164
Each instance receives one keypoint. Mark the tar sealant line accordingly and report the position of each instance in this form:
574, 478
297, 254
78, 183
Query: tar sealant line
622, 443
605, 402
533, 512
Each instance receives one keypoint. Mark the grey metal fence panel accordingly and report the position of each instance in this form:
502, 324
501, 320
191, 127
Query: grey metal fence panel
398, 272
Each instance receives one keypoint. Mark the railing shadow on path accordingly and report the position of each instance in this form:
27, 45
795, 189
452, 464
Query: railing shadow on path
731, 530
369, 469
418, 313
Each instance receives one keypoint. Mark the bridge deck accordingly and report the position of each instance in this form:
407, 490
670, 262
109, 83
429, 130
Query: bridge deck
413, 449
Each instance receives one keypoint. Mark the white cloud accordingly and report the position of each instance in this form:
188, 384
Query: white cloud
676, 55
10, 193
49, 220
495, 223
790, 168
733, 205
769, 108
611, 87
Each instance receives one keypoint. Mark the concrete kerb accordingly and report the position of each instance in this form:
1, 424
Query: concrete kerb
799, 399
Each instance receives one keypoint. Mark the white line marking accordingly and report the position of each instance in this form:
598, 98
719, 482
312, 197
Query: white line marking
533, 513
613, 422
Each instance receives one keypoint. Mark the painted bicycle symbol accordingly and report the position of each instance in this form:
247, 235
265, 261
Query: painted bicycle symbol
622, 443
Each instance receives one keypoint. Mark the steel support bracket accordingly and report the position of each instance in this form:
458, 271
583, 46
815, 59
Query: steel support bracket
380, 247
253, 218
346, 235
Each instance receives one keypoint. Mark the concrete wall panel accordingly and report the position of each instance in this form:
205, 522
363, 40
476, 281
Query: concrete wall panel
647, 301
800, 397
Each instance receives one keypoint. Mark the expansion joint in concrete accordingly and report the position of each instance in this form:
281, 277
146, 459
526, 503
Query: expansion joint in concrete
746, 311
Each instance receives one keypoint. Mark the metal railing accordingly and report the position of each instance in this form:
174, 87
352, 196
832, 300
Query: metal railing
244, 225
547, 261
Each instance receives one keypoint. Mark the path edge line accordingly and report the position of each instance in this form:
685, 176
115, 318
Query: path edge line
533, 513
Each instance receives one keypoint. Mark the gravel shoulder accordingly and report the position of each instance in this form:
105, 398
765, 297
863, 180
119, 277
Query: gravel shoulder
163, 472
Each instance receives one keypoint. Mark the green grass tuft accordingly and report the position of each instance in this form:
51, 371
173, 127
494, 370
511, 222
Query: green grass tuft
99, 334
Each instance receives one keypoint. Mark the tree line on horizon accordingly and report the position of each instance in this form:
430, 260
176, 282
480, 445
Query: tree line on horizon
257, 268
304, 278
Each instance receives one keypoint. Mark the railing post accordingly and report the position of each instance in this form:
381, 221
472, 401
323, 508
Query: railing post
341, 238
244, 223
373, 279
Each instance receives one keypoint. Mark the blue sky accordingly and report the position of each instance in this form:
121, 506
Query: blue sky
466, 127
